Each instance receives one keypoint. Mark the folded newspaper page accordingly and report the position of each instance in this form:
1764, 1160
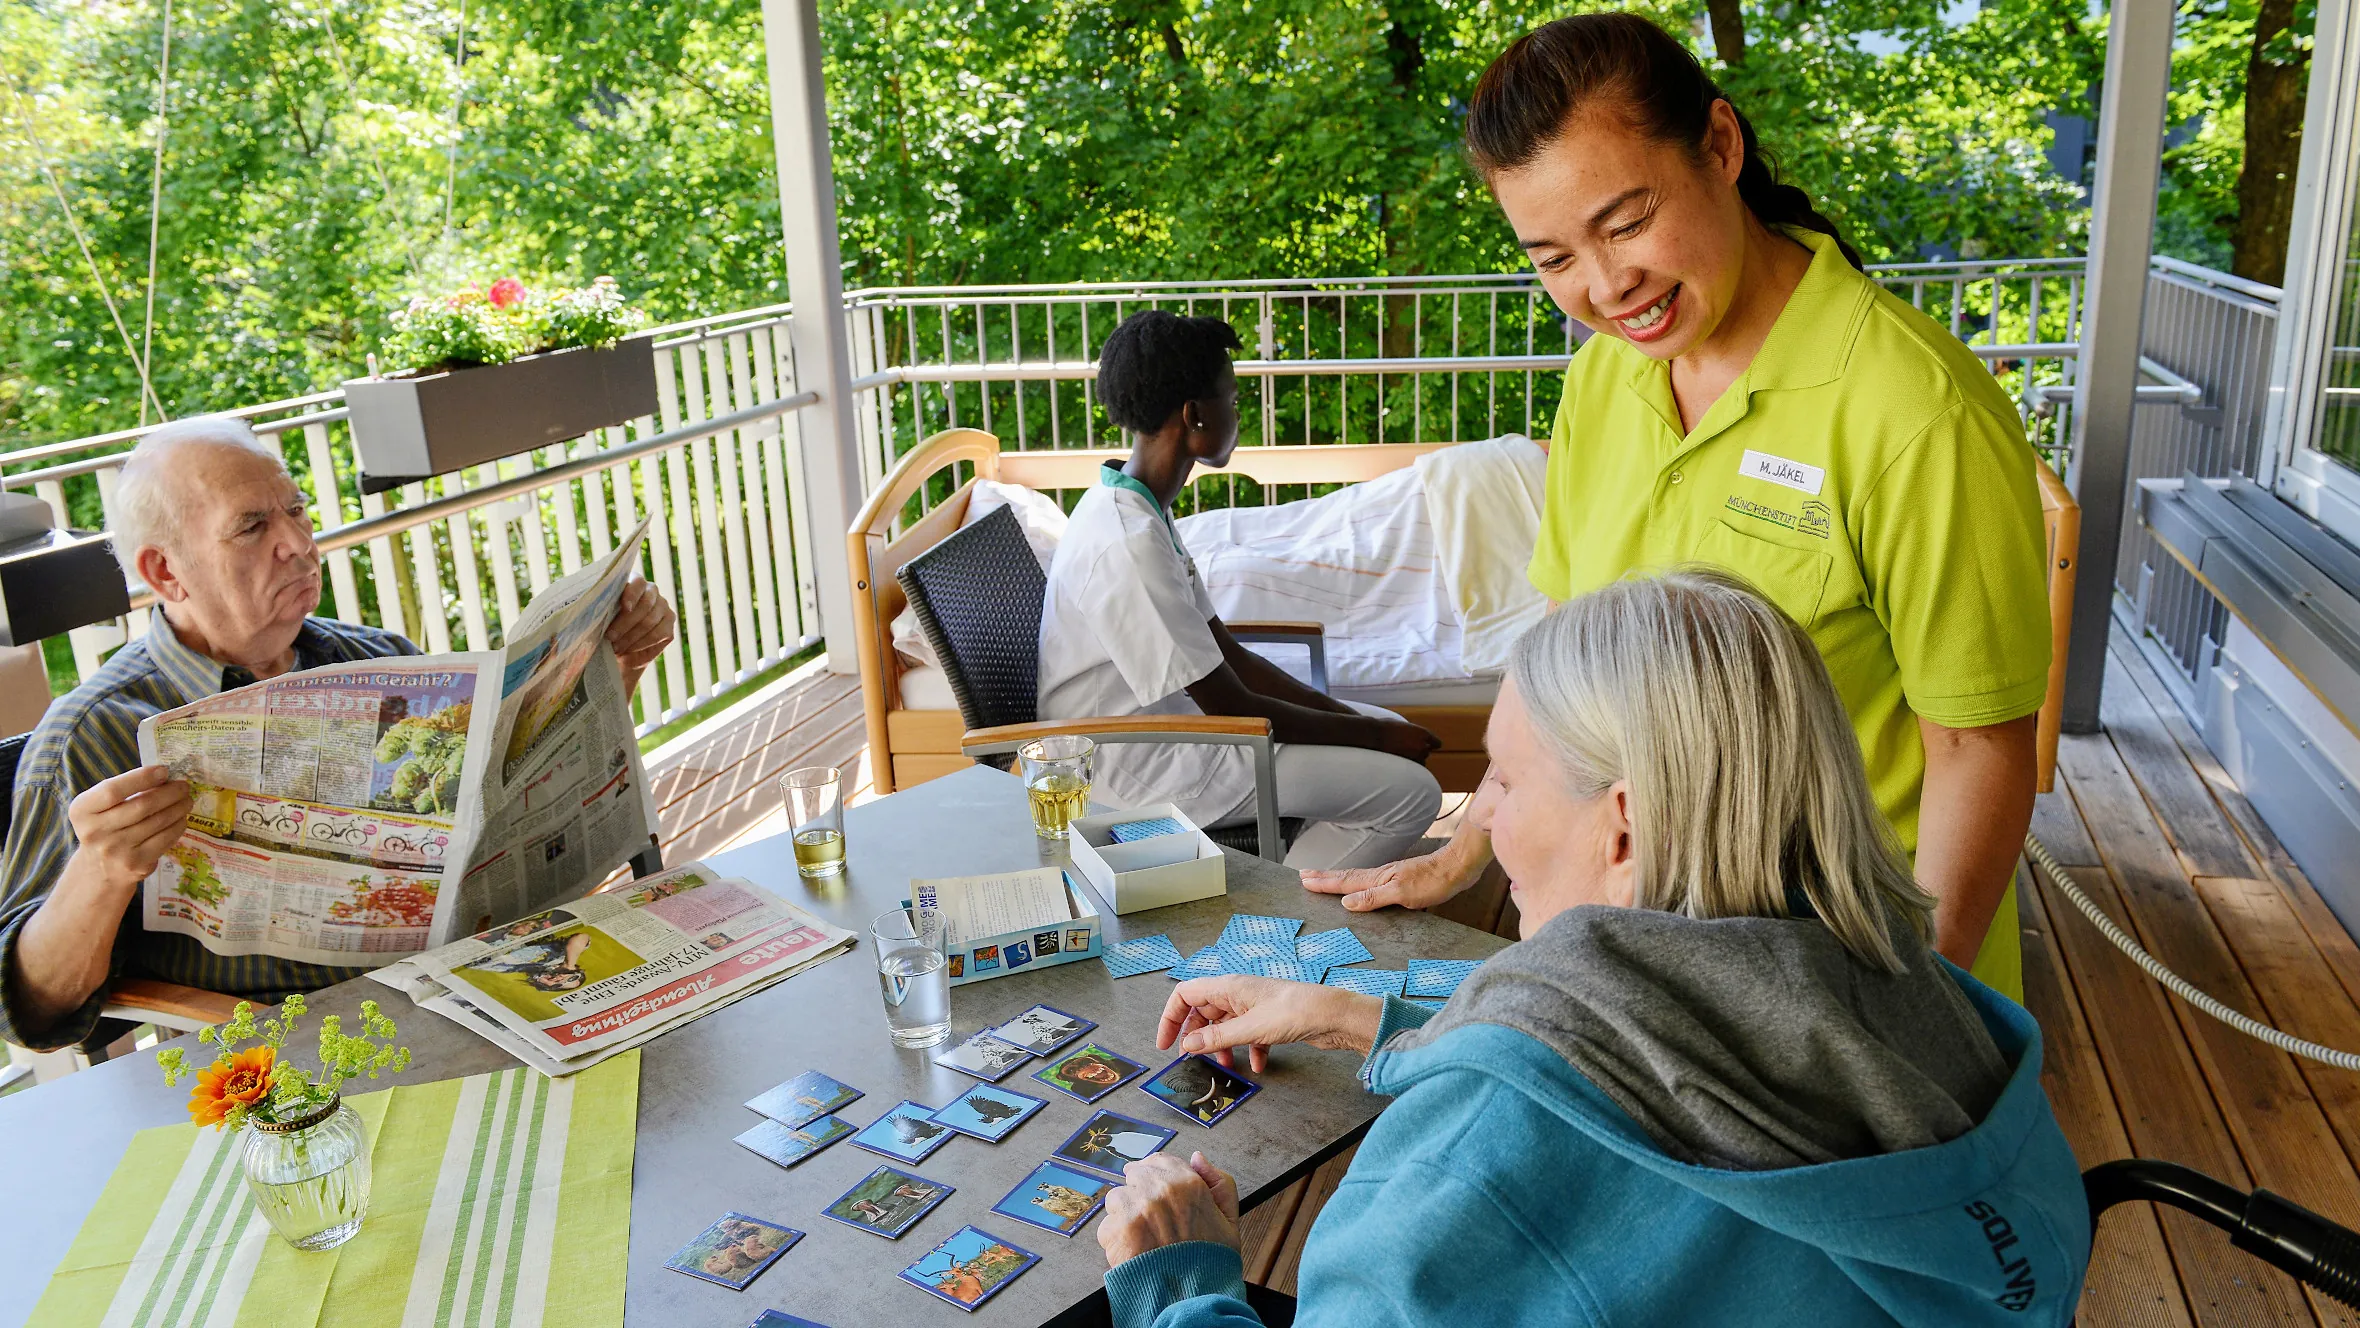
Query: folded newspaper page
569, 986
351, 814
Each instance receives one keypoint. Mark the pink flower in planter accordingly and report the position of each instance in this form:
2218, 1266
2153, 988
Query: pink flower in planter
506, 291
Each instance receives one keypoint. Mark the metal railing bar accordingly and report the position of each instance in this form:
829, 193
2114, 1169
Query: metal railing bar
2215, 277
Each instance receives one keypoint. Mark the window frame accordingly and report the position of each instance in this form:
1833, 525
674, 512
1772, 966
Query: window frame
2319, 242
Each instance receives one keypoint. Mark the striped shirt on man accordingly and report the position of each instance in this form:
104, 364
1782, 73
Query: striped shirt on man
92, 734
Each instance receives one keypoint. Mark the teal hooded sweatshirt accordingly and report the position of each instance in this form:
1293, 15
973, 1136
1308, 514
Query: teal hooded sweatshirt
1505, 1186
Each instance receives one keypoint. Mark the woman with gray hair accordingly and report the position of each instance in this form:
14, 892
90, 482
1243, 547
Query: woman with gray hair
1721, 1079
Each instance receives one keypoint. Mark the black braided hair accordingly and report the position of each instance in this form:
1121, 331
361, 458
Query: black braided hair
1155, 362
1524, 99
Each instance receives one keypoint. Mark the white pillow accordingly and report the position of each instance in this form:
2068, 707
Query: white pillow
1044, 525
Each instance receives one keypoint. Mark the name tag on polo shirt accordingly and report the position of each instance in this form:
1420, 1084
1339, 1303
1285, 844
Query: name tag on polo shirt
1778, 470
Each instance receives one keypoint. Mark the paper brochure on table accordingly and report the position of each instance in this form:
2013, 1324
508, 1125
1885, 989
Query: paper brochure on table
569, 986
349, 814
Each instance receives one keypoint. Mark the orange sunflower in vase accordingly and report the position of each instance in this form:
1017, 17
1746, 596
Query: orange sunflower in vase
234, 1083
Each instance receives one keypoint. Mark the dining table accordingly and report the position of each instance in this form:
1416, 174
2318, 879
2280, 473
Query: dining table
61, 1141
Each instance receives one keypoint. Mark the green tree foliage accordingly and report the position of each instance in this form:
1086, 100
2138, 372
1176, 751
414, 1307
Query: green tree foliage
315, 174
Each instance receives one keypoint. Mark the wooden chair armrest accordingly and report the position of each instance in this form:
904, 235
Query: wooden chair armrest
1147, 727
170, 1005
1241, 630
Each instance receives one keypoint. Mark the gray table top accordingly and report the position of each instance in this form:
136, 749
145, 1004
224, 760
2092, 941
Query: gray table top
60, 1142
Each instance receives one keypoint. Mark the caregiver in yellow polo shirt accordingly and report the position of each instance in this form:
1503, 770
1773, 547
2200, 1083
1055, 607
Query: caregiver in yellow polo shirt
1751, 400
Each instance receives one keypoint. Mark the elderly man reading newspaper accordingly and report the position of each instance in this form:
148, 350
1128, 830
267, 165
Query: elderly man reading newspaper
325, 814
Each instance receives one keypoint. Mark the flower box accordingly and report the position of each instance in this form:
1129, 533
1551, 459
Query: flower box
408, 428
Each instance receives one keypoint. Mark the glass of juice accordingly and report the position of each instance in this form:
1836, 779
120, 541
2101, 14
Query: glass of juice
1057, 779
815, 808
910, 971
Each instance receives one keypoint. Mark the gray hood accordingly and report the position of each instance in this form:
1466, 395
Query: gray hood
1743, 1043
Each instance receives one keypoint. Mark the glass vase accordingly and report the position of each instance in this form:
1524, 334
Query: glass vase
310, 1175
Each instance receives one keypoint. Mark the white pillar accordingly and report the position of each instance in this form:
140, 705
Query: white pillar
831, 470
2122, 232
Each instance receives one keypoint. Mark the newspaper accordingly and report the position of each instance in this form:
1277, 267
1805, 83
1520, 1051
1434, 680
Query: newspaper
567, 987
351, 814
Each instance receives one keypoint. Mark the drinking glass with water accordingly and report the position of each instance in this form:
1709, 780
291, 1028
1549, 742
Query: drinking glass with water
910, 971
815, 810
1057, 780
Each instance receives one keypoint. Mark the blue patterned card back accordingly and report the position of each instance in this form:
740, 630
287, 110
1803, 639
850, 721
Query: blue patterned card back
1131, 832
1253, 927
1205, 963
1367, 981
1145, 954
1326, 949
1439, 977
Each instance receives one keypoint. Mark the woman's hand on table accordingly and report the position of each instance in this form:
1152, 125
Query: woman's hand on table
1424, 881
1212, 1015
1165, 1201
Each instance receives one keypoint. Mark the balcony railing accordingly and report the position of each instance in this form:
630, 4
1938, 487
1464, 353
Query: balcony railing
450, 561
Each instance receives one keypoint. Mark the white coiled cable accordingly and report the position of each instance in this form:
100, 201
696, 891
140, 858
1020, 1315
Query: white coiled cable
2180, 986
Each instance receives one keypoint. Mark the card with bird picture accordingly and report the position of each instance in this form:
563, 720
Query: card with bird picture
985, 1056
1110, 1141
989, 1112
907, 1133
1043, 1029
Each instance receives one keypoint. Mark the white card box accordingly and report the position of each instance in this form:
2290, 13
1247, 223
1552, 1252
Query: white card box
1043, 945
1148, 873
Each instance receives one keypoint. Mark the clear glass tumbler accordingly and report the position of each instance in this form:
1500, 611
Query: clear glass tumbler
815, 808
910, 970
1057, 780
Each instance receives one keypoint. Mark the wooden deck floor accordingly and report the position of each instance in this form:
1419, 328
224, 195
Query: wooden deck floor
2148, 824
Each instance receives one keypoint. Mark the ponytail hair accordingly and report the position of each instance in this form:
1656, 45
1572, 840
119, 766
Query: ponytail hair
1525, 98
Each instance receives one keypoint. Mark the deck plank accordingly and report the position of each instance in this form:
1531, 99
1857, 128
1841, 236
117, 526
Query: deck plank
1320, 1186
2247, 1097
752, 775
2132, 1282
722, 825
751, 735
2191, 821
2326, 931
1262, 1231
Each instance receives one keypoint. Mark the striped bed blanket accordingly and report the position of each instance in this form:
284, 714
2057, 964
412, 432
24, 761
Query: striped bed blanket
498, 1199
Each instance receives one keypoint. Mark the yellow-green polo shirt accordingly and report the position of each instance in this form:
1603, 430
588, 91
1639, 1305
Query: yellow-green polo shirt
1869, 475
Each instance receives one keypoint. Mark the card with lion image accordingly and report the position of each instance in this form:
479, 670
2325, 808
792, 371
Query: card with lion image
734, 1250
1055, 1198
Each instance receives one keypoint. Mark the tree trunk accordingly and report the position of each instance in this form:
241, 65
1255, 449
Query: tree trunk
1729, 30
2273, 145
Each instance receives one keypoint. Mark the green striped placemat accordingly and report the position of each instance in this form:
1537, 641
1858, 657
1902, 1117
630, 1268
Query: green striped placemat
496, 1199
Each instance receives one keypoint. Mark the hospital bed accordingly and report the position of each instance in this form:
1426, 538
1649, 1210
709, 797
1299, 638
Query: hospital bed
914, 729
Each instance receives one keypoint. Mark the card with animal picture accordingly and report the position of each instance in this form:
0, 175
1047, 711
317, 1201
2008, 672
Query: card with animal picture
734, 1250
782, 1319
989, 1112
1110, 1141
1055, 1198
805, 1098
1042, 1029
907, 1133
788, 1147
888, 1201
1200, 1088
984, 1056
1089, 1072
969, 1267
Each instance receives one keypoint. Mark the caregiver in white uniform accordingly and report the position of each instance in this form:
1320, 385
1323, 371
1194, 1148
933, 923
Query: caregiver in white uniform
1127, 629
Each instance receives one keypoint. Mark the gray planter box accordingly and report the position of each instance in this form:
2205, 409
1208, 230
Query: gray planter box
406, 429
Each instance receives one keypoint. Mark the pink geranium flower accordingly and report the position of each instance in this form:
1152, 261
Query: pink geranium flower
506, 291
